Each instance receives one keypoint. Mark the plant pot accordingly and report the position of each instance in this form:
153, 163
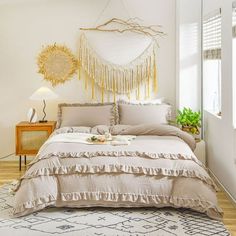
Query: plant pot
191, 129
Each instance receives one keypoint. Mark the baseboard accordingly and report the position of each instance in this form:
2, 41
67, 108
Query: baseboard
13, 157
10, 157
223, 187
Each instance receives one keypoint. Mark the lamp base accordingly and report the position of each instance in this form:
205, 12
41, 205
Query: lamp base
43, 121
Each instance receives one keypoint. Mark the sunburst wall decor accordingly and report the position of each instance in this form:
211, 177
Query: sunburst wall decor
57, 64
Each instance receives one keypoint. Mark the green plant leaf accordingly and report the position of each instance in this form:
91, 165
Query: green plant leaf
187, 117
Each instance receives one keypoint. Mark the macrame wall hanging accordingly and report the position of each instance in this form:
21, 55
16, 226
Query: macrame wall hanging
120, 79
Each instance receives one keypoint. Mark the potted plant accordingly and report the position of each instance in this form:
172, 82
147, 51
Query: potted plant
189, 120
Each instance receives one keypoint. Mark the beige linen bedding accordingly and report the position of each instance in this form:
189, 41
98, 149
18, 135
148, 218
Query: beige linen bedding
157, 169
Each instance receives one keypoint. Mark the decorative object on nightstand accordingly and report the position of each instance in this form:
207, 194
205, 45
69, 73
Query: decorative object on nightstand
200, 151
43, 94
31, 136
32, 115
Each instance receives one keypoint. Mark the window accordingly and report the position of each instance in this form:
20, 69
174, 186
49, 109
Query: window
212, 62
234, 61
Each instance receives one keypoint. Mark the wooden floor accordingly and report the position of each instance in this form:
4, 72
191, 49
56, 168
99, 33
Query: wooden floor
9, 171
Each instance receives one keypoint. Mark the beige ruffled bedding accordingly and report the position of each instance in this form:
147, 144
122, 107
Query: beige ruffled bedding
157, 169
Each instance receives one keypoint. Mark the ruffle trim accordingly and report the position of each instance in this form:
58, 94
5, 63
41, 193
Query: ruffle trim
86, 169
142, 199
114, 116
118, 154
34, 204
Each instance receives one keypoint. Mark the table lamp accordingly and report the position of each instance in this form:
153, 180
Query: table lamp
43, 94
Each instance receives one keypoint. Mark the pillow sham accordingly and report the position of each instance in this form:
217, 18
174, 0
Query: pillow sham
87, 114
135, 114
150, 101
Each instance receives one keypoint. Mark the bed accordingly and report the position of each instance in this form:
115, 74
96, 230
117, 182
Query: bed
156, 168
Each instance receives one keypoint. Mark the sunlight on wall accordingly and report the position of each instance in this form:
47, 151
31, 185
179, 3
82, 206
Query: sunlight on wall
212, 86
187, 88
189, 40
189, 74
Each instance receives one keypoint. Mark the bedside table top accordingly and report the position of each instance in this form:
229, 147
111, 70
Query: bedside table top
26, 123
200, 141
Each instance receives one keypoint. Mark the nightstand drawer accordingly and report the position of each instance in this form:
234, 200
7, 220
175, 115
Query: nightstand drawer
31, 136
33, 140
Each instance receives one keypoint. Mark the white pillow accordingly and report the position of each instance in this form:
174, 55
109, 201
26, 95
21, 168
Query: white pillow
151, 101
88, 115
135, 114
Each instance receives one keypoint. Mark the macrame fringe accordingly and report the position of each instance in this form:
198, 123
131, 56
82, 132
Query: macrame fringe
116, 79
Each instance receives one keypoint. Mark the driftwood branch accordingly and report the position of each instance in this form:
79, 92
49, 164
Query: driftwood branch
130, 25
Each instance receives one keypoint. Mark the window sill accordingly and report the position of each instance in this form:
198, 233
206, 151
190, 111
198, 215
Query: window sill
212, 113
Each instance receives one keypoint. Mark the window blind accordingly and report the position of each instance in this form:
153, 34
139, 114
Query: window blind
212, 36
234, 19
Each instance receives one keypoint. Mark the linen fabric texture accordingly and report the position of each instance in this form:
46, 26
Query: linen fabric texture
157, 169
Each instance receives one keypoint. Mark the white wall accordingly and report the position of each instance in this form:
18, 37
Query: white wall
188, 56
27, 25
219, 132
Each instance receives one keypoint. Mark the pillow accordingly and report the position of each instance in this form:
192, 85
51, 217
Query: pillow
86, 114
150, 101
135, 114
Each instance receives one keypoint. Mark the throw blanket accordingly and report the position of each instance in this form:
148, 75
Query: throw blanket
83, 138
158, 169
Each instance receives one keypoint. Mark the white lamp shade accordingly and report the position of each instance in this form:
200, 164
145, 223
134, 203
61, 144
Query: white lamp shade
43, 93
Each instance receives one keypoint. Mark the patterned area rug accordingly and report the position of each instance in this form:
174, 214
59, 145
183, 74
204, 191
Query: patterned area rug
106, 221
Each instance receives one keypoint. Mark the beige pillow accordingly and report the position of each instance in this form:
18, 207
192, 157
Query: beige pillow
134, 114
87, 114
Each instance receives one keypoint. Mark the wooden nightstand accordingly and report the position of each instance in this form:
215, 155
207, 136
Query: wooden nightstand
200, 151
31, 136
